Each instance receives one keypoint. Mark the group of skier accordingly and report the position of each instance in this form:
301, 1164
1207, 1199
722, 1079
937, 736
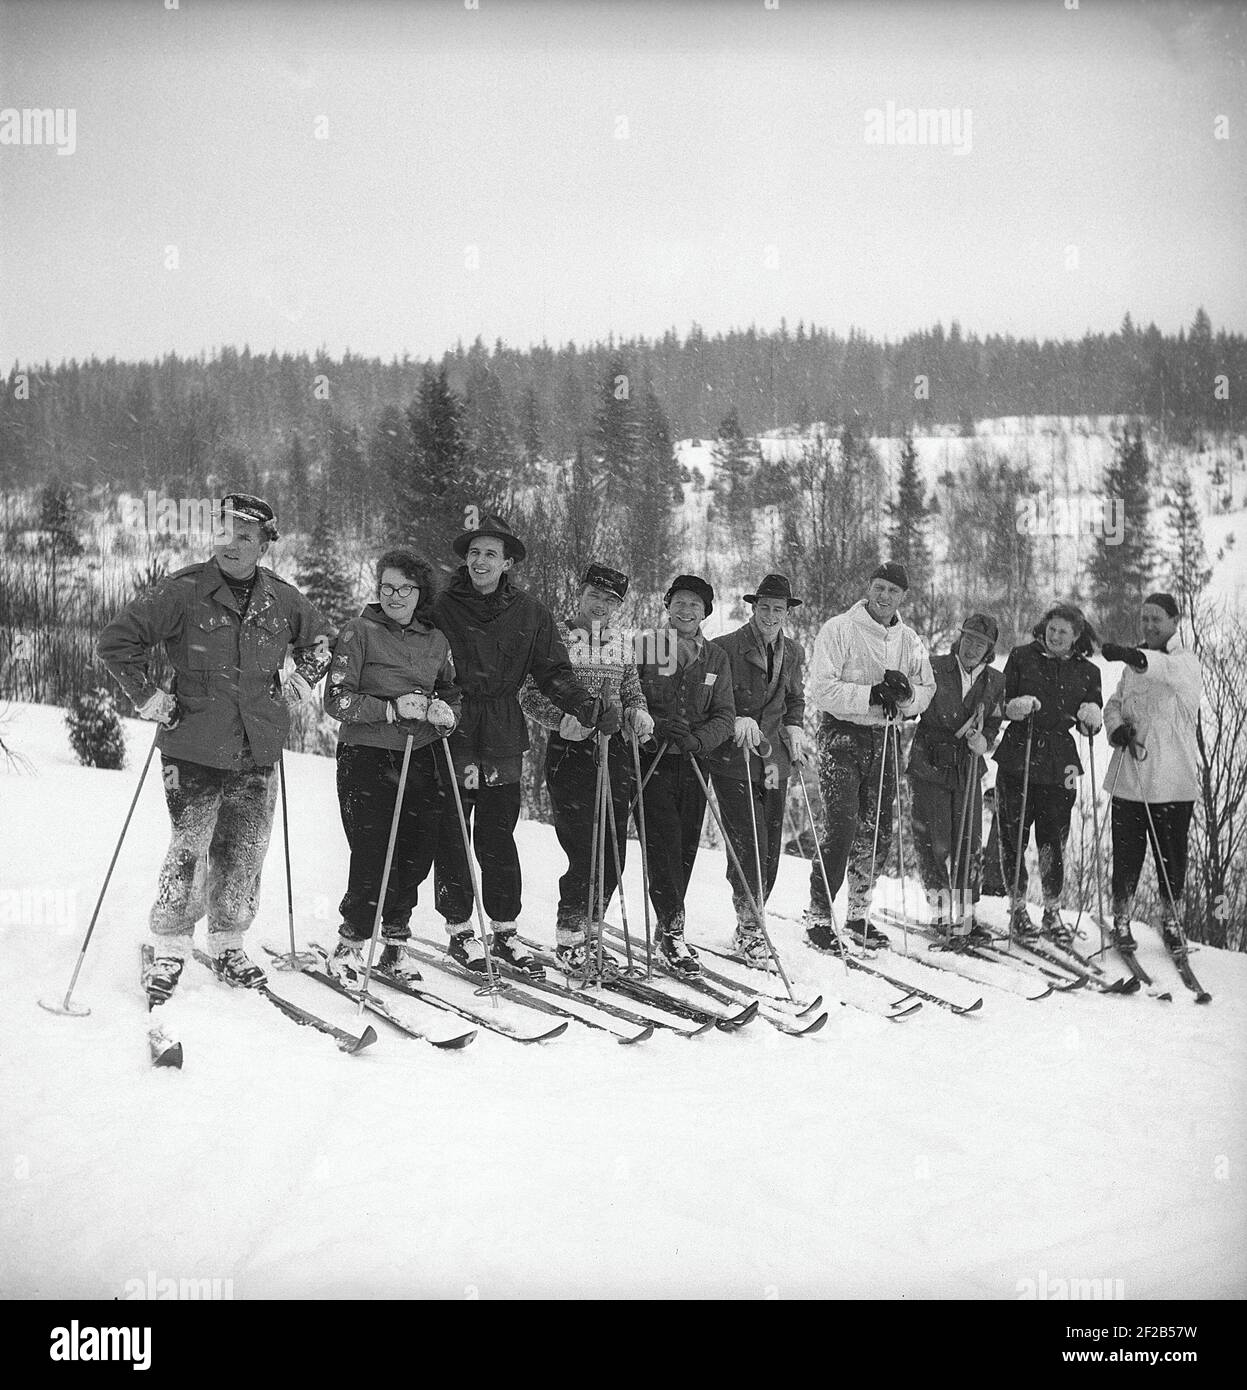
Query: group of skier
432, 691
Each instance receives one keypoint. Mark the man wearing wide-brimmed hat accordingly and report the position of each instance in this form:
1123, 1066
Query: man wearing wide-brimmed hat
226, 626
956, 730
499, 635
767, 669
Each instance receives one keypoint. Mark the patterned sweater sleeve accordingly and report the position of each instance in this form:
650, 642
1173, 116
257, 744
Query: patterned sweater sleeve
344, 701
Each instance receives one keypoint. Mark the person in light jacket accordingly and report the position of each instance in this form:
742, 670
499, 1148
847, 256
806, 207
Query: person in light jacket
868, 670
1150, 719
392, 677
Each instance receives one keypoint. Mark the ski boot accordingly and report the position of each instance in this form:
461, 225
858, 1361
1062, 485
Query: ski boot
161, 977
1174, 941
580, 959
820, 936
508, 948
676, 951
347, 962
750, 945
977, 934
466, 949
235, 967
1056, 929
865, 933
395, 961
1020, 925
952, 936
1123, 937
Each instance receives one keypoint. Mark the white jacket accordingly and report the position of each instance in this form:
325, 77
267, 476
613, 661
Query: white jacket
1162, 703
851, 653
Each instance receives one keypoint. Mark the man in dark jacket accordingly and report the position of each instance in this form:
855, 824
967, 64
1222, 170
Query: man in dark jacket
956, 730
499, 634
769, 697
226, 626
690, 700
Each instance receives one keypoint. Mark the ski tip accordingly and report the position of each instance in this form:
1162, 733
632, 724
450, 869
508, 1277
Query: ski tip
1034, 998
365, 1039
456, 1043
643, 1036
556, 1032
971, 1008
1203, 997
907, 1011
170, 1056
815, 1026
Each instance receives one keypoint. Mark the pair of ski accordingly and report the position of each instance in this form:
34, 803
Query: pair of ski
165, 1049
1066, 968
795, 1018
1181, 964
912, 996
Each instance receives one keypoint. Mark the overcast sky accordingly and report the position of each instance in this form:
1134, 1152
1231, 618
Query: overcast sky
553, 171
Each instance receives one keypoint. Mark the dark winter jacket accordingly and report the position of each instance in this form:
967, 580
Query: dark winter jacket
699, 692
375, 660
780, 703
1062, 685
937, 753
225, 665
497, 639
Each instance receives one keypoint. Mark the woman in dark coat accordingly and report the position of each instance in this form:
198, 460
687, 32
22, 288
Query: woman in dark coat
1050, 687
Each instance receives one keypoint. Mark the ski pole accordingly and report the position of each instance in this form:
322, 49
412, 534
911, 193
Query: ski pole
594, 867
822, 867
294, 959
619, 885
900, 831
1095, 821
874, 848
960, 864
385, 873
753, 823
640, 817
603, 827
757, 911
1017, 862
476, 889
66, 1005
666, 743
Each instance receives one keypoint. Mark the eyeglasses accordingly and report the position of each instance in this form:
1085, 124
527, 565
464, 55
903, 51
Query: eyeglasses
403, 590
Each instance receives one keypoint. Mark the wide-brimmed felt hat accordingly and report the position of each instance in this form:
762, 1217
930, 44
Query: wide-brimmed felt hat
490, 525
774, 586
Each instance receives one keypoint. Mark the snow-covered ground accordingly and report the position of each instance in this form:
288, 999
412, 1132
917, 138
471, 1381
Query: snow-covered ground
1077, 1138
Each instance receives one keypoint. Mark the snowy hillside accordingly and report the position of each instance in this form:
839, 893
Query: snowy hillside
1077, 1137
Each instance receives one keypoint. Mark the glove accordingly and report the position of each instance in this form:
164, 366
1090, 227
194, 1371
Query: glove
1122, 736
797, 745
413, 706
976, 743
441, 716
1090, 717
883, 694
746, 731
295, 690
1021, 706
640, 721
610, 719
688, 743
160, 708
899, 682
1132, 656
573, 730
677, 733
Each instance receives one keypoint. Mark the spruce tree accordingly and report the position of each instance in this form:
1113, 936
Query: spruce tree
1189, 571
1121, 564
436, 484
907, 539
322, 576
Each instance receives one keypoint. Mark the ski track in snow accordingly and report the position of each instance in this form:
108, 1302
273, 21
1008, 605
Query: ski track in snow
1081, 1137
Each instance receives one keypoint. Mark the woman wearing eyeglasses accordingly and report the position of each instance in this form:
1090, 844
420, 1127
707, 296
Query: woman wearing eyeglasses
392, 676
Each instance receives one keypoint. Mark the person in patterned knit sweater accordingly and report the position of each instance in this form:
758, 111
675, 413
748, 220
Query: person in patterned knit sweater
602, 658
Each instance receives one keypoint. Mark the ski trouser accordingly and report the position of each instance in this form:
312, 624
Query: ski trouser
221, 822
675, 806
935, 812
490, 791
367, 787
1048, 809
1172, 820
733, 795
850, 759
571, 780
994, 883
